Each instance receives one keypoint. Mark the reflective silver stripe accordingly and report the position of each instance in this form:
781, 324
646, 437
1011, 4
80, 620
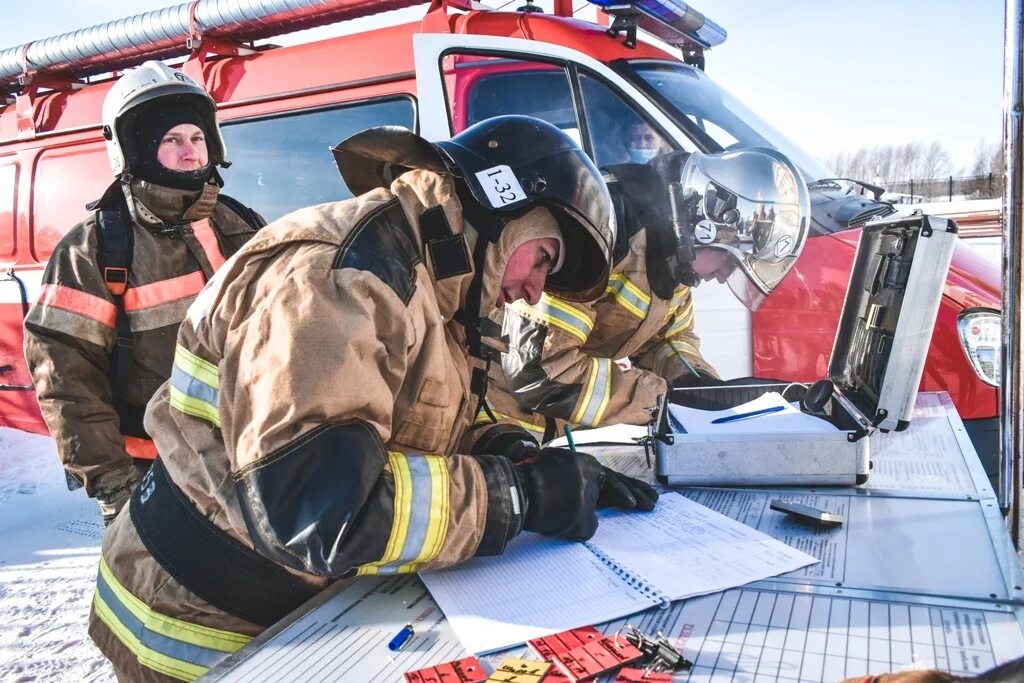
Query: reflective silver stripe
595, 399
557, 313
683, 321
628, 295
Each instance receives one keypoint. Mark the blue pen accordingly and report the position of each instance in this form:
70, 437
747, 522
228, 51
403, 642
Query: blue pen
568, 438
744, 416
399, 641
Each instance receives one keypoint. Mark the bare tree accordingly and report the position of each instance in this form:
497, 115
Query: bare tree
888, 163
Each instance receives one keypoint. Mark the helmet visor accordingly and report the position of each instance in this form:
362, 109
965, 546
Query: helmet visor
753, 204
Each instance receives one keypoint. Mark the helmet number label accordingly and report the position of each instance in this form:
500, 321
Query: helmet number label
705, 232
501, 186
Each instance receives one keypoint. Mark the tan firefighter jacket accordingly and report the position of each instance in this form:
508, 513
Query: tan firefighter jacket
319, 392
71, 330
561, 366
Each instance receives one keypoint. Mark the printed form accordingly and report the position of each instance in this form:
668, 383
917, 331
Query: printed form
741, 635
885, 543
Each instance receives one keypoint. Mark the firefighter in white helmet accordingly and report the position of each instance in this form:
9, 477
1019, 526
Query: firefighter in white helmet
741, 218
100, 339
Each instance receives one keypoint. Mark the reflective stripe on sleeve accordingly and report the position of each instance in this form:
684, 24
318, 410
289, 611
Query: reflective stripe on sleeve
683, 321
195, 386
557, 313
208, 241
421, 507
81, 303
628, 295
674, 349
75, 313
678, 297
167, 645
596, 395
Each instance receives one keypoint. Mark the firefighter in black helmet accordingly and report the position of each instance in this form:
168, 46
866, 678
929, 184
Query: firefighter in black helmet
313, 427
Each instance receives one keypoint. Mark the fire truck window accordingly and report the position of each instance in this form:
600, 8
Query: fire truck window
619, 133
480, 87
720, 135
58, 205
284, 163
8, 191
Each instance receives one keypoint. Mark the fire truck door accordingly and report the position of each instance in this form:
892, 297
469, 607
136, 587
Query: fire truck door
462, 79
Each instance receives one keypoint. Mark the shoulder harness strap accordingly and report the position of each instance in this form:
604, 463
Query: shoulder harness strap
251, 218
115, 247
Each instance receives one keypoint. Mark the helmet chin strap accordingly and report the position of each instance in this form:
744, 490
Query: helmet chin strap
683, 205
488, 226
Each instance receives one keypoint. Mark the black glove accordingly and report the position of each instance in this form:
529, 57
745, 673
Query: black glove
625, 492
560, 491
564, 479
688, 380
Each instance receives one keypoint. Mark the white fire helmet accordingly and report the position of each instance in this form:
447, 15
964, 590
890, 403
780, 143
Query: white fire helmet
752, 203
141, 86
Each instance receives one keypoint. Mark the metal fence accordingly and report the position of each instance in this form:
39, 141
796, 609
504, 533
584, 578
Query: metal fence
916, 191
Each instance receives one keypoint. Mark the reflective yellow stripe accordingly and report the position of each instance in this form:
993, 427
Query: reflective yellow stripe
438, 523
596, 394
402, 506
628, 295
421, 514
677, 299
557, 313
674, 349
170, 646
483, 418
195, 386
175, 668
683, 321
200, 368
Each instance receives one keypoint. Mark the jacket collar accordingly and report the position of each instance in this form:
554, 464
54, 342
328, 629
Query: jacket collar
158, 204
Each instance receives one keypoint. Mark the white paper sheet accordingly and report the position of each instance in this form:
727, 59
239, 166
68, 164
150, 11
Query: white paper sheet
542, 586
788, 419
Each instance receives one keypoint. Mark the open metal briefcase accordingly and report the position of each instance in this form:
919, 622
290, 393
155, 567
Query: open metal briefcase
877, 359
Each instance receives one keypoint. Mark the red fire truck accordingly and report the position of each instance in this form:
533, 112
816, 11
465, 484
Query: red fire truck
283, 107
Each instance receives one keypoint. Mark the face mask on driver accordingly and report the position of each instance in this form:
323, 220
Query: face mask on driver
639, 155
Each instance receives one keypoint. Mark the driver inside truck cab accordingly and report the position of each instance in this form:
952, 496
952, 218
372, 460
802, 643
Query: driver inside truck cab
643, 143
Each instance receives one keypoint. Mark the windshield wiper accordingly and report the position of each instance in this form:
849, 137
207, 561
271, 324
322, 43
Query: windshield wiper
831, 182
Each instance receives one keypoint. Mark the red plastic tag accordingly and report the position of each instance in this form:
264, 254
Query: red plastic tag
595, 658
512, 670
549, 646
637, 676
466, 670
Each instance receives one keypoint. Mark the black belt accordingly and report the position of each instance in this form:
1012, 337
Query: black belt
206, 560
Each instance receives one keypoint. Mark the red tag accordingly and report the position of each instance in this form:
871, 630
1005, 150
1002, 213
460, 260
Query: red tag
637, 676
466, 670
549, 646
595, 658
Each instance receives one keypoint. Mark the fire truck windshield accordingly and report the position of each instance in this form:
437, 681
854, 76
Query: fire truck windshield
714, 119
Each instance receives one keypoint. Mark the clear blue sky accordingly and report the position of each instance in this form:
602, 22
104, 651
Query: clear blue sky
832, 75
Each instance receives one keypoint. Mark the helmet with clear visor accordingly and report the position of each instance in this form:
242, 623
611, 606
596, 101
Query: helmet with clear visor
753, 204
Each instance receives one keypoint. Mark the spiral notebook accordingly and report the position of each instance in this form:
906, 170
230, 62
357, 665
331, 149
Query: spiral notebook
635, 561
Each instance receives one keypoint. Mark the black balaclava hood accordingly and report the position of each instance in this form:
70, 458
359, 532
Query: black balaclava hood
149, 128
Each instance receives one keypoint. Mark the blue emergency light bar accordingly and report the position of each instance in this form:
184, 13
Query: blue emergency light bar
672, 21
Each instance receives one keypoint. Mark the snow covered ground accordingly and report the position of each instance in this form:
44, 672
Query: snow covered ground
49, 549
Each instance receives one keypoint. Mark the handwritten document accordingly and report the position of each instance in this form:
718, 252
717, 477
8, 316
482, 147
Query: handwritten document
634, 561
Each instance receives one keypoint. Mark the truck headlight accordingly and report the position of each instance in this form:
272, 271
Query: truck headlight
981, 337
